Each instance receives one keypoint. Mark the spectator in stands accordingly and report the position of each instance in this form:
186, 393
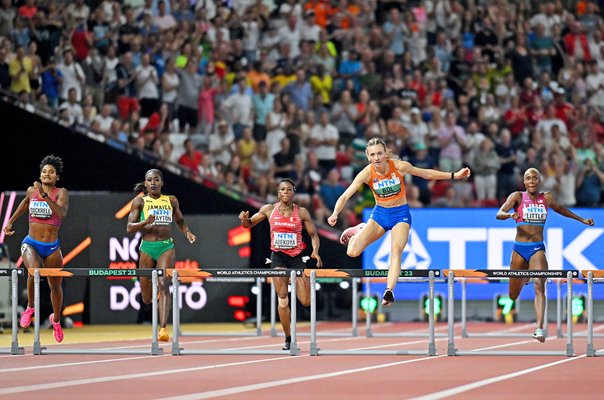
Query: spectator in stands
324, 138
221, 143
238, 108
485, 166
147, 82
451, 139
74, 110
19, 69
188, 91
300, 90
589, 185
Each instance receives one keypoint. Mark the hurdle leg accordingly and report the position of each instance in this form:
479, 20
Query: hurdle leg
450, 317
259, 307
431, 342
175, 315
559, 333
368, 331
37, 347
591, 351
314, 349
570, 352
155, 350
464, 328
355, 306
273, 309
293, 349
14, 345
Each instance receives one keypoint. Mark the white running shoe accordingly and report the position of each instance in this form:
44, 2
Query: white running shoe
350, 232
539, 335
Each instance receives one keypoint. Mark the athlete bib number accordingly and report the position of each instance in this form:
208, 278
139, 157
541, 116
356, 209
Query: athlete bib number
285, 241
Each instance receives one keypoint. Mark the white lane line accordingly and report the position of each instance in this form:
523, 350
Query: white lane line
289, 381
88, 381
33, 367
474, 385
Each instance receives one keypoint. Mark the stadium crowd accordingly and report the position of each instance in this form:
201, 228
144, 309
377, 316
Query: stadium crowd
245, 92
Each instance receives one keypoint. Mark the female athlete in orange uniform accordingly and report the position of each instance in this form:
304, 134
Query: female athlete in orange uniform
385, 177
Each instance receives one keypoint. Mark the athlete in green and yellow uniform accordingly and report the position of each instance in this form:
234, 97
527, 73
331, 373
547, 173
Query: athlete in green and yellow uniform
153, 214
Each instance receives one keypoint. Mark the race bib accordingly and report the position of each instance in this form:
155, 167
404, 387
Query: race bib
162, 217
285, 241
534, 213
387, 187
39, 209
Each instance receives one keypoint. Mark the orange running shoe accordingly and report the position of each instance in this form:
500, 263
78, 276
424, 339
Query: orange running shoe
163, 335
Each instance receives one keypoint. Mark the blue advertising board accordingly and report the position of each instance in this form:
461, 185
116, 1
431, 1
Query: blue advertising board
474, 239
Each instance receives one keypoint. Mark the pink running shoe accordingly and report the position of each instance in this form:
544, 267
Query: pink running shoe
350, 232
56, 327
26, 317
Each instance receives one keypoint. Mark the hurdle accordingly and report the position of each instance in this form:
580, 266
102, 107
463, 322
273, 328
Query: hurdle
363, 273
368, 324
591, 351
495, 334
258, 329
354, 332
13, 274
177, 350
487, 273
559, 332
95, 272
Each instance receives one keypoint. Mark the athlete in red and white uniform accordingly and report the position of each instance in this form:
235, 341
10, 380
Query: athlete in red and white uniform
286, 220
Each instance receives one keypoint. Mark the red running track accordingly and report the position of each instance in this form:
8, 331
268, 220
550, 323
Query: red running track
330, 377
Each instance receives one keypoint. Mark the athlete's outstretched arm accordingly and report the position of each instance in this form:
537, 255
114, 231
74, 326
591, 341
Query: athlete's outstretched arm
362, 177
312, 232
21, 209
260, 216
560, 209
510, 202
405, 167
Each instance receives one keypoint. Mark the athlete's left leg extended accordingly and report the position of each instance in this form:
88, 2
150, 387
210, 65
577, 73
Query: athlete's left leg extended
399, 236
55, 260
165, 260
538, 262
369, 234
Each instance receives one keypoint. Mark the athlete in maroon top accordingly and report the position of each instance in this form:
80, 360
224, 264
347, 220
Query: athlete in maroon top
286, 220
47, 206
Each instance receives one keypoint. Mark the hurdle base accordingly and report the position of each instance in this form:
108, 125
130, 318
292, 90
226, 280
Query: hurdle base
591, 351
512, 353
410, 335
206, 334
373, 352
237, 352
314, 350
158, 352
368, 333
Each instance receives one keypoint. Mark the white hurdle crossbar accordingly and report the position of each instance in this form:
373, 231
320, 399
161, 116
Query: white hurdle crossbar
177, 350
452, 351
354, 331
257, 331
351, 273
13, 274
96, 272
494, 334
591, 351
